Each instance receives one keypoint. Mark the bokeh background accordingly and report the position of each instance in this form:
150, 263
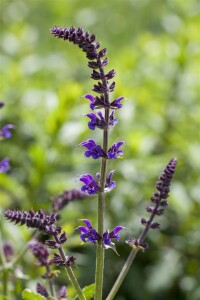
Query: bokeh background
154, 47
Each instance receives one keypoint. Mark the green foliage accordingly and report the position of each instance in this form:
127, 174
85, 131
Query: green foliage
29, 295
154, 47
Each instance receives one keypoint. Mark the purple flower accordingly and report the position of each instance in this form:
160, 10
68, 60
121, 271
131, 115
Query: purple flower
4, 165
90, 186
62, 293
5, 131
94, 150
112, 121
99, 121
109, 184
112, 235
114, 151
96, 102
1, 104
40, 252
116, 103
96, 121
8, 250
88, 234
42, 290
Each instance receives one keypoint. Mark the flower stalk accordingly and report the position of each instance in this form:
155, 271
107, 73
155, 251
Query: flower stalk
160, 200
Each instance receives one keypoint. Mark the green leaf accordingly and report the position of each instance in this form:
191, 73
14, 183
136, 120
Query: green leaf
29, 295
88, 292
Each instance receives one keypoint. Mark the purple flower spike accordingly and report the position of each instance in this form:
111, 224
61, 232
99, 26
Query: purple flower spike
88, 233
90, 186
42, 290
117, 103
114, 151
5, 131
94, 150
4, 165
109, 184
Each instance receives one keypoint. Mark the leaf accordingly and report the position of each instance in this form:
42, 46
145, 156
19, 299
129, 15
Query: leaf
88, 292
27, 294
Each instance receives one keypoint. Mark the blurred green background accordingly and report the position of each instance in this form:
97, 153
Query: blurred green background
154, 46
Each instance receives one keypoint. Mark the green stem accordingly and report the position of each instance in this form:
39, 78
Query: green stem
70, 272
131, 257
122, 274
101, 199
51, 283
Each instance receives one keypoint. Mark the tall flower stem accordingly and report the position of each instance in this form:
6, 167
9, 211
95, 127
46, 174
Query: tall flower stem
101, 202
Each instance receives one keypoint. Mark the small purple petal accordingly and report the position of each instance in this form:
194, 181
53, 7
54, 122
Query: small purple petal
90, 97
87, 223
4, 165
5, 131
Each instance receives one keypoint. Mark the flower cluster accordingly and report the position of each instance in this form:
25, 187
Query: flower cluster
62, 295
89, 234
40, 252
92, 184
38, 220
5, 133
159, 200
97, 61
46, 224
58, 202
96, 151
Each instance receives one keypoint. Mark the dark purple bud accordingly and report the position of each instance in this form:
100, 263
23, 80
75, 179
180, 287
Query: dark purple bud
4, 165
155, 225
104, 62
57, 260
40, 252
1, 104
143, 221
8, 250
58, 202
42, 290
96, 75
52, 244
62, 293
100, 88
102, 53
110, 74
112, 87
62, 238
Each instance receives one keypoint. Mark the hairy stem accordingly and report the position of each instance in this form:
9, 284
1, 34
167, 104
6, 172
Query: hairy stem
70, 273
101, 203
122, 274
